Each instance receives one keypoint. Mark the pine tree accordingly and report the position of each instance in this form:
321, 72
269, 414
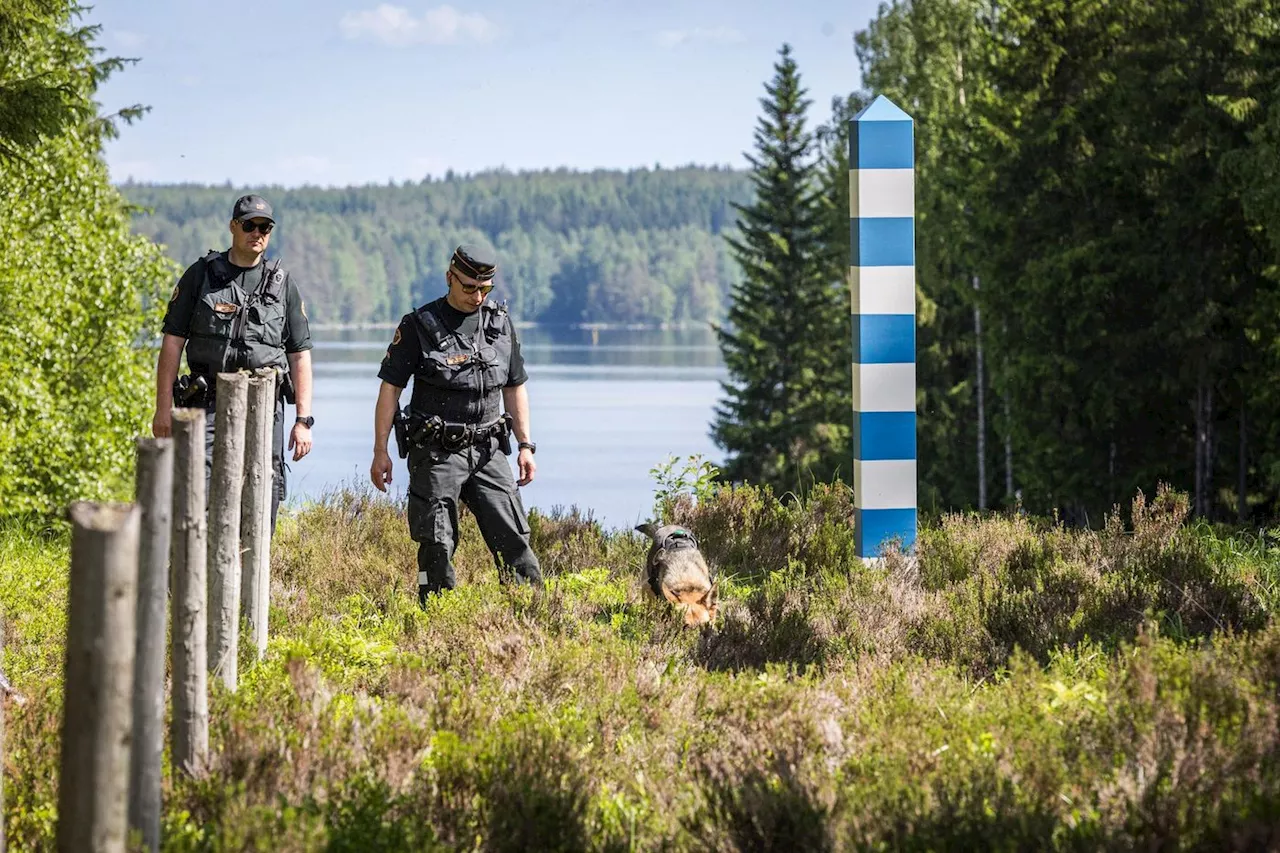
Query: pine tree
775, 337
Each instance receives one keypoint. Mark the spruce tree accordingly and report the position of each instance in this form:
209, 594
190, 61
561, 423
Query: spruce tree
774, 339
49, 70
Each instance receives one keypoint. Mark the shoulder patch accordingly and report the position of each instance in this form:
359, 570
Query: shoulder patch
173, 297
396, 339
302, 306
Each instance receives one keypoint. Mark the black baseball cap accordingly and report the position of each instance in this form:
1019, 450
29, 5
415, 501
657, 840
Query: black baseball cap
252, 207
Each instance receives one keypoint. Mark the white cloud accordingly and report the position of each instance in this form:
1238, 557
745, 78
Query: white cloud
397, 26
713, 35
126, 39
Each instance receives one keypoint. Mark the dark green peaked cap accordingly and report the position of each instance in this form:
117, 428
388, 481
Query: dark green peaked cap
475, 262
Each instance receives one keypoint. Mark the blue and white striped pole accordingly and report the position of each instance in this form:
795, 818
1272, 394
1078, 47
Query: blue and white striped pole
883, 292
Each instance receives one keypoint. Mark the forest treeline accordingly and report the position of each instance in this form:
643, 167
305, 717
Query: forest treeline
1097, 258
638, 246
1098, 203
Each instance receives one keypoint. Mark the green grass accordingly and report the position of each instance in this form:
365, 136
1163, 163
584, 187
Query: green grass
33, 601
1018, 686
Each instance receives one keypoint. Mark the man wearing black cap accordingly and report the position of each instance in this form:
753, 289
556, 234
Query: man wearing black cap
233, 310
463, 355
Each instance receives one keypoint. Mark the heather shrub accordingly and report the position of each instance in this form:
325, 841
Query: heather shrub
1011, 684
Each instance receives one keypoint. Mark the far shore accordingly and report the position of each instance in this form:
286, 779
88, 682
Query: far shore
522, 324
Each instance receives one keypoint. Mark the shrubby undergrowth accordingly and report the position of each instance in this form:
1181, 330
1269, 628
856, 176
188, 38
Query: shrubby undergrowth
1015, 684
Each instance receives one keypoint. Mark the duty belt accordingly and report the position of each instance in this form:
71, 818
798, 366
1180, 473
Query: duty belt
197, 389
421, 432
461, 436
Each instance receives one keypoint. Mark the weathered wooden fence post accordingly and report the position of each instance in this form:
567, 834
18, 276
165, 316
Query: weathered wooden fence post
154, 495
6, 693
261, 632
189, 727
98, 681
255, 509
224, 527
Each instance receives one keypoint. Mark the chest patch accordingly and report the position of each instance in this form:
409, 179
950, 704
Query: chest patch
460, 358
225, 309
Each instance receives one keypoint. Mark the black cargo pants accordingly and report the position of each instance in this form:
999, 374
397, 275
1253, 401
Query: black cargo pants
481, 477
278, 487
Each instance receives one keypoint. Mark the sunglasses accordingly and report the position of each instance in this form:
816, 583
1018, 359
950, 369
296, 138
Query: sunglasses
472, 288
249, 227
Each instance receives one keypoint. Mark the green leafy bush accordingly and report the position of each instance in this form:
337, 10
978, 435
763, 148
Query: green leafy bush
81, 296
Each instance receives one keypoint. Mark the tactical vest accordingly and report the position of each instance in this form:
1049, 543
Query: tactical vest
232, 329
461, 380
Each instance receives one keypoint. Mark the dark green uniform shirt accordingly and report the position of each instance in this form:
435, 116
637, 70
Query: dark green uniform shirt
182, 304
401, 360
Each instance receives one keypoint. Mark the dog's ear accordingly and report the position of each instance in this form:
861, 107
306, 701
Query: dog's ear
648, 529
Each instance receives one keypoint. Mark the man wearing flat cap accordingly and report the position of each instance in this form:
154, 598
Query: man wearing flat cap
469, 400
232, 311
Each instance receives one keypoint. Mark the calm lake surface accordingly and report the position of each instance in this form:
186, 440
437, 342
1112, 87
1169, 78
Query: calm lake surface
606, 406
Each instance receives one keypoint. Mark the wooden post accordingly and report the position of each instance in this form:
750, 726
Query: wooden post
154, 487
260, 633
189, 728
255, 508
6, 693
224, 526
98, 682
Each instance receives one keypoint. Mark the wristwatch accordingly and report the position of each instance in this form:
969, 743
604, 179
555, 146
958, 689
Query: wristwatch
533, 448
308, 422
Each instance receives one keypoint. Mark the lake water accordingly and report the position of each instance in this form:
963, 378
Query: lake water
606, 406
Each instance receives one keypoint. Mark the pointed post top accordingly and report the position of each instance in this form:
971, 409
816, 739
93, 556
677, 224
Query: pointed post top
881, 136
881, 109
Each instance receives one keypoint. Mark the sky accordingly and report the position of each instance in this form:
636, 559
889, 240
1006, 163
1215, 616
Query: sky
346, 92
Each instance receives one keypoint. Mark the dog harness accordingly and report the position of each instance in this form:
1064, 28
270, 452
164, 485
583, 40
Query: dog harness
677, 539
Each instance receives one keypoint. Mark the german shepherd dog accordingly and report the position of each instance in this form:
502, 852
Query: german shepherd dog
678, 572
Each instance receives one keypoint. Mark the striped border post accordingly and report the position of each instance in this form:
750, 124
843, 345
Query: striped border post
883, 293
